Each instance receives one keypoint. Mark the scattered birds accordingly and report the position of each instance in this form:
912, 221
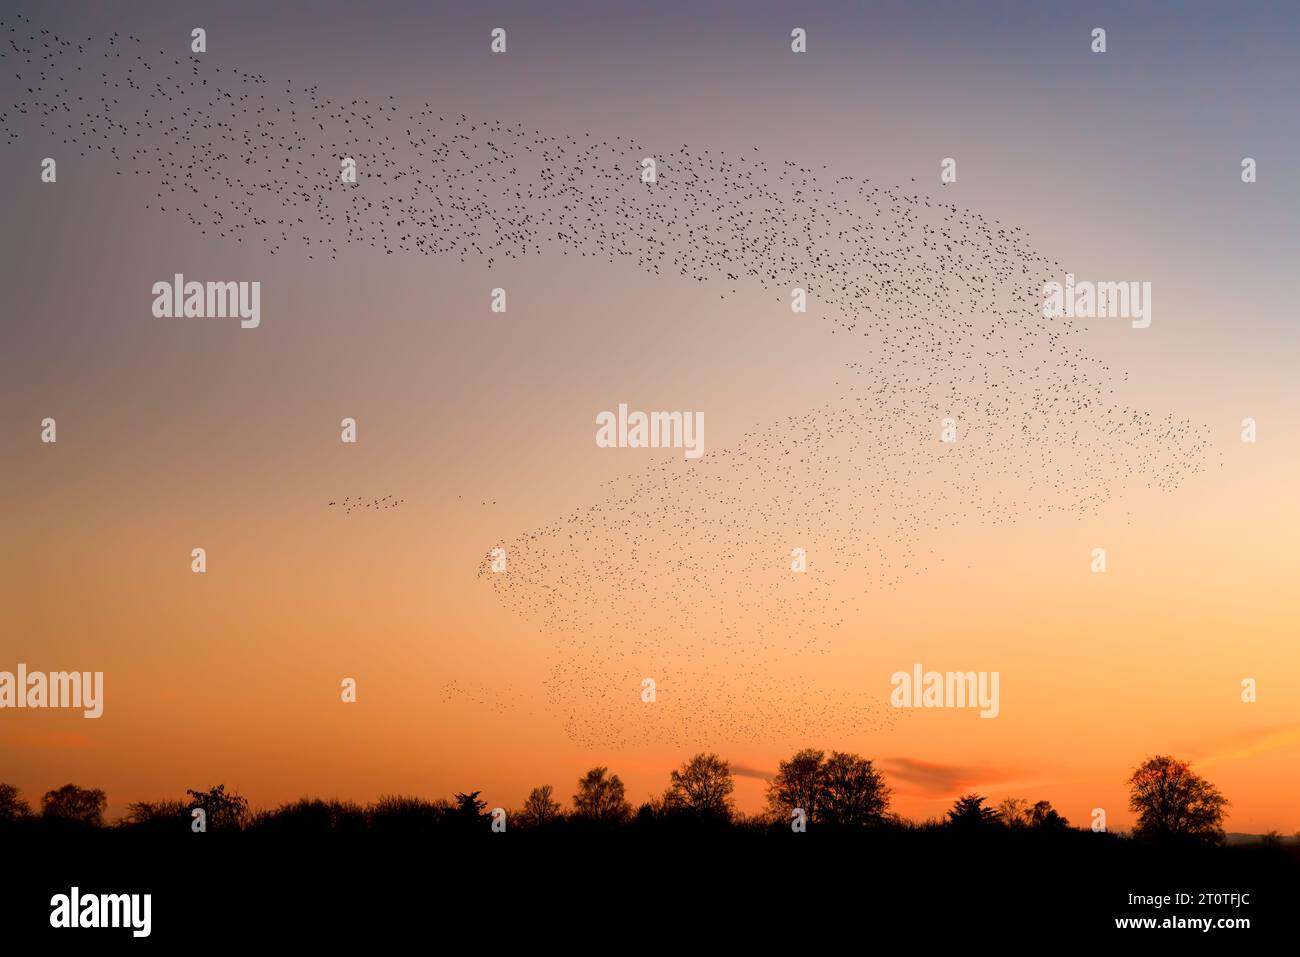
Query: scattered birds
682, 571
378, 504
488, 699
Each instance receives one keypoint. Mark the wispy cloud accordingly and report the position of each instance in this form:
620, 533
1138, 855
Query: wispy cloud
928, 779
1244, 744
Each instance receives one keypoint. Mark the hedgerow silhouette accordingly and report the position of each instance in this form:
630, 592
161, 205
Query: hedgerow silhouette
835, 791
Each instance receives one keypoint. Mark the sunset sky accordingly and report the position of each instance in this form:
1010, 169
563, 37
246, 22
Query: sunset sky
177, 434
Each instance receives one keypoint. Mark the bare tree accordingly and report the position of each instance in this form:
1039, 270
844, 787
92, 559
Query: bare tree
224, 811
12, 805
1014, 812
702, 786
798, 784
852, 791
601, 797
1173, 800
539, 808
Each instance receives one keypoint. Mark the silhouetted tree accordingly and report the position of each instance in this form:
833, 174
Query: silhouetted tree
313, 816
1044, 815
1014, 812
159, 814
538, 808
852, 791
969, 811
12, 805
798, 784
601, 797
224, 811
1172, 800
469, 809
407, 816
702, 786
71, 803
843, 789
650, 811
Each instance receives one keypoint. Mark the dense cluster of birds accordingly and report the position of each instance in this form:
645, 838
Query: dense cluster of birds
378, 504
683, 572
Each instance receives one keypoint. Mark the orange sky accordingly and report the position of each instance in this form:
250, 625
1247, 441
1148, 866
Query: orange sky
233, 675
175, 435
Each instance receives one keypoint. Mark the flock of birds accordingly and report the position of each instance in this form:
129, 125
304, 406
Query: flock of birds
681, 572
378, 504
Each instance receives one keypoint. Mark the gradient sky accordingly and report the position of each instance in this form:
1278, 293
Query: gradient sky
174, 435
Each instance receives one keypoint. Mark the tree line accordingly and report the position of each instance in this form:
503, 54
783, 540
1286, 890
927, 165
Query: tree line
811, 789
